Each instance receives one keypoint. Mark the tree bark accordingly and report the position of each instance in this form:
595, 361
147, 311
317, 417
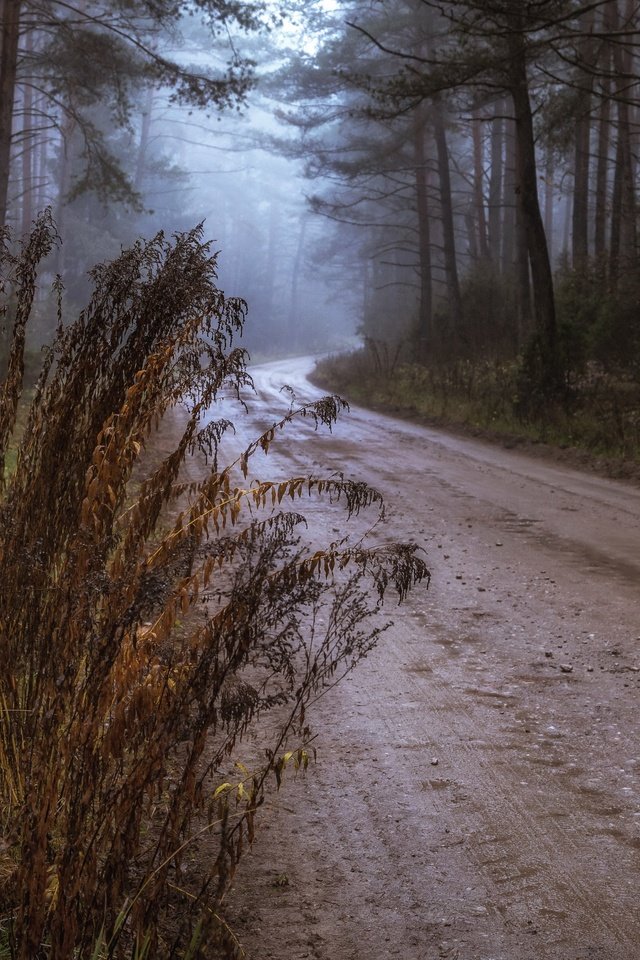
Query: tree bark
448, 228
66, 137
548, 200
268, 286
425, 308
10, 10
580, 219
28, 152
495, 181
508, 226
624, 239
478, 188
294, 311
522, 328
145, 130
527, 193
580, 216
602, 160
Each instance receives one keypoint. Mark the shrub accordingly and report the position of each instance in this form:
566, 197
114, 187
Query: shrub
602, 322
138, 646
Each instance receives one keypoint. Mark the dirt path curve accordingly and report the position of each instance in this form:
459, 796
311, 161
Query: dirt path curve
476, 792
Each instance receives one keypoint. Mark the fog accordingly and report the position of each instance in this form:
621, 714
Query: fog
113, 172
354, 180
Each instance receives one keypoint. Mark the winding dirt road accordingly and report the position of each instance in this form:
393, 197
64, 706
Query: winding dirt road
476, 791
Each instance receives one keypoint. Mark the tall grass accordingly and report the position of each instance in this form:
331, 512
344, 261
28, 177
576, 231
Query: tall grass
147, 623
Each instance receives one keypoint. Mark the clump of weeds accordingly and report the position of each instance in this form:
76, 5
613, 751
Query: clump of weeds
123, 695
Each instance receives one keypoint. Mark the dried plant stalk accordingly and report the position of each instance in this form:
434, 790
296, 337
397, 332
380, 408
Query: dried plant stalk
122, 693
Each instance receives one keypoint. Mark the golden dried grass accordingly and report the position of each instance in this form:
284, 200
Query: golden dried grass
114, 724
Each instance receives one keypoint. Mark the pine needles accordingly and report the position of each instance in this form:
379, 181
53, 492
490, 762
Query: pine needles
147, 623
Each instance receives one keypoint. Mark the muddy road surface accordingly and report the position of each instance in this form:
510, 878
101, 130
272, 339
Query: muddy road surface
475, 795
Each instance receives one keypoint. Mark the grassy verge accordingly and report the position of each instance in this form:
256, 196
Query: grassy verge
599, 425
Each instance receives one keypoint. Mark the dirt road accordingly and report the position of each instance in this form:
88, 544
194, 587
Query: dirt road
476, 791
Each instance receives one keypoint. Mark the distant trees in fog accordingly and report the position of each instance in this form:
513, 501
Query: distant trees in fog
475, 164
72, 72
480, 145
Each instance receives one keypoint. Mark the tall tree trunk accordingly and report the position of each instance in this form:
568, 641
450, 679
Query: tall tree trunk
543, 294
41, 168
145, 130
471, 227
66, 137
522, 328
10, 11
495, 181
478, 188
582, 133
448, 228
580, 216
549, 172
616, 216
623, 213
623, 242
28, 152
508, 227
515, 243
602, 160
294, 306
268, 291
425, 308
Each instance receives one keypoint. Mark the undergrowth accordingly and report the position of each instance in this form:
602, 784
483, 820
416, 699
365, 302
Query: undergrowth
148, 623
600, 412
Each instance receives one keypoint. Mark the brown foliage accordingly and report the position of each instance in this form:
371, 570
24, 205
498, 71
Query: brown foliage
122, 694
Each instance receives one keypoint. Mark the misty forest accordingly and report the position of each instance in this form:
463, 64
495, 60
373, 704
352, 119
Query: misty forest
438, 202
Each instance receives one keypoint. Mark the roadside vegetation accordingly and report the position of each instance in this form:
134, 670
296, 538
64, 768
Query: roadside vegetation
478, 381
155, 632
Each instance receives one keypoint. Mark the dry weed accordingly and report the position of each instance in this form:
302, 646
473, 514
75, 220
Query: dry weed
114, 723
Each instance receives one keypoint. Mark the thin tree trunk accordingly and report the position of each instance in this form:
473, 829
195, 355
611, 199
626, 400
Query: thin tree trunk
616, 217
623, 56
41, 172
548, 200
602, 162
143, 145
268, 291
495, 181
580, 216
8, 70
448, 229
580, 219
508, 255
425, 308
67, 131
478, 188
623, 212
28, 154
472, 236
294, 313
